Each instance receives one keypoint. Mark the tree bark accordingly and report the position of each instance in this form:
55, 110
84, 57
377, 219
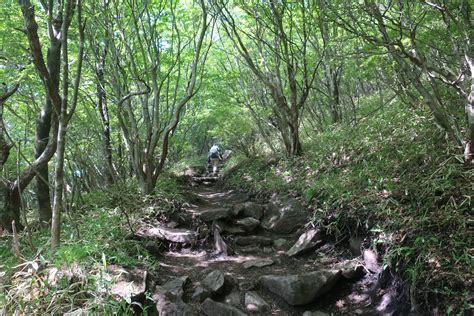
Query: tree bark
468, 151
43, 127
104, 117
65, 115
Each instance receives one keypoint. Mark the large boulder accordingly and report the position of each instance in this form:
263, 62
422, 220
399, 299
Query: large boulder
301, 289
283, 216
213, 308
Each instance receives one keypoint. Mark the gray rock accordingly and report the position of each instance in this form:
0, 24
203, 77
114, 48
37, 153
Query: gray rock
301, 289
233, 299
174, 287
267, 250
316, 313
216, 213
168, 298
129, 285
178, 235
353, 272
255, 304
168, 305
200, 294
253, 240
251, 209
213, 308
280, 243
214, 281
246, 285
257, 263
250, 249
248, 224
307, 241
284, 216
232, 230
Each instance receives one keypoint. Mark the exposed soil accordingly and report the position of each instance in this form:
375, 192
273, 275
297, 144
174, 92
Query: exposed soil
364, 296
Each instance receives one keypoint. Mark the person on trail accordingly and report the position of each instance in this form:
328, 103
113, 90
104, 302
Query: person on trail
213, 157
214, 152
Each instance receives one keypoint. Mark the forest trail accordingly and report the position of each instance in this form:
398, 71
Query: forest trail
216, 258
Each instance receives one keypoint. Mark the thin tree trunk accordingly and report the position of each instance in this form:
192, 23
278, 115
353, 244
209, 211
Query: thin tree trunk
65, 116
58, 185
104, 117
43, 127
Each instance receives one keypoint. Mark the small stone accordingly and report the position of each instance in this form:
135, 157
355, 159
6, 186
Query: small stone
169, 305
253, 240
233, 299
267, 250
259, 263
173, 287
214, 281
316, 313
280, 243
248, 224
353, 272
301, 289
255, 304
213, 308
251, 209
200, 294
130, 285
307, 241
250, 249
215, 214
284, 215
246, 285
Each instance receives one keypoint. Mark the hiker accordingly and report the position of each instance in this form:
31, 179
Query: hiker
213, 157
214, 152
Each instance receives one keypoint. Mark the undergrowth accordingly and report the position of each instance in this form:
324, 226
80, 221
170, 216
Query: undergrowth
95, 235
394, 178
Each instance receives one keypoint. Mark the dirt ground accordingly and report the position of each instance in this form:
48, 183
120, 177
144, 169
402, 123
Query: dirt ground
363, 296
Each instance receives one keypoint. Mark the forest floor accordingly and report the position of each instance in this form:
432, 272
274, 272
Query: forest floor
363, 293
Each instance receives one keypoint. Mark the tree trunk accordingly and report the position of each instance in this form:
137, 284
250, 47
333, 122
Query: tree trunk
294, 126
43, 127
334, 80
468, 155
58, 186
10, 210
104, 117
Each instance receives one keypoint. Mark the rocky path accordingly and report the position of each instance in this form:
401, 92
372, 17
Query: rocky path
225, 254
